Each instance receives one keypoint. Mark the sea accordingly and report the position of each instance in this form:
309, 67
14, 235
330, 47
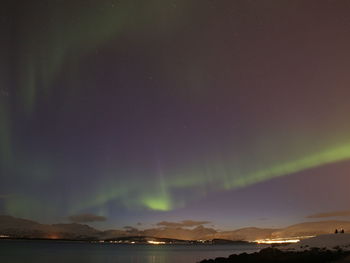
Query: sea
37, 251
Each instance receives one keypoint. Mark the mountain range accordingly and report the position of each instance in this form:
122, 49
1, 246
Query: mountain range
23, 228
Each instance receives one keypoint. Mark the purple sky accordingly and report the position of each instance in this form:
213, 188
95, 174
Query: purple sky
235, 112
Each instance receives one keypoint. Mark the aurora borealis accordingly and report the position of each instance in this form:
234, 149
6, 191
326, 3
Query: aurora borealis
143, 111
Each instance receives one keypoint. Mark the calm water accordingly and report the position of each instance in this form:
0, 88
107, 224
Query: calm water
71, 252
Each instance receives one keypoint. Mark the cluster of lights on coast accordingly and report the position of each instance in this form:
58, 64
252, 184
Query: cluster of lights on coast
281, 240
151, 242
154, 242
258, 241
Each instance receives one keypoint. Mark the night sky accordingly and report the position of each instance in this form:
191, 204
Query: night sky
234, 112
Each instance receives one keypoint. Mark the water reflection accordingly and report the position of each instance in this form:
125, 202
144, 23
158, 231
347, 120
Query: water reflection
72, 252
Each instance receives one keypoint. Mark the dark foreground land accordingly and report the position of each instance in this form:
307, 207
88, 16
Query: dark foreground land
269, 255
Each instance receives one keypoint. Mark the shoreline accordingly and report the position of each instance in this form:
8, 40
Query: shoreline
132, 242
273, 254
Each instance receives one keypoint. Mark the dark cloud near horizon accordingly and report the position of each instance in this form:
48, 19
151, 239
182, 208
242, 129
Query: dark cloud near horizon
184, 223
130, 229
263, 219
87, 218
330, 214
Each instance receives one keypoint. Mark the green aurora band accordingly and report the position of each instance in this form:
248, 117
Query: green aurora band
49, 40
160, 197
43, 56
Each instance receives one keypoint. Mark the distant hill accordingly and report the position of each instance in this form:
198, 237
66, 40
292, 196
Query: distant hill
23, 228
312, 228
196, 233
110, 234
248, 233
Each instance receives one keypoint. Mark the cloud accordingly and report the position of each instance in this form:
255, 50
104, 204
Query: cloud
130, 229
330, 214
263, 219
86, 218
184, 223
